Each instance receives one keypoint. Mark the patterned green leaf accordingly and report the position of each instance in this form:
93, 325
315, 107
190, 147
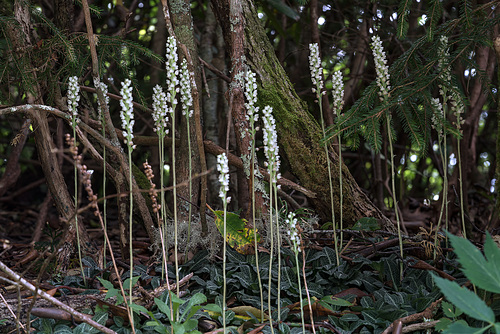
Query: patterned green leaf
238, 235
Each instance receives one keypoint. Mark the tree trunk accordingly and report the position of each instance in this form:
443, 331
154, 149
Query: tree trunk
299, 134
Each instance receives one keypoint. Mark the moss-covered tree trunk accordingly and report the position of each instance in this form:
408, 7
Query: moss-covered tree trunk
299, 134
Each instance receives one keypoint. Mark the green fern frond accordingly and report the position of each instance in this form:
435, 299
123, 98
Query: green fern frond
435, 12
69, 50
93, 9
403, 12
465, 10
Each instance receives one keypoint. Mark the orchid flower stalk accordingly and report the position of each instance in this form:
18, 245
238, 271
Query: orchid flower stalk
73, 99
223, 169
271, 151
317, 80
160, 117
383, 82
338, 104
252, 116
172, 90
127, 117
187, 103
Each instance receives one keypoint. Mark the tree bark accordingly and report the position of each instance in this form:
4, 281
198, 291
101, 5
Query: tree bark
299, 134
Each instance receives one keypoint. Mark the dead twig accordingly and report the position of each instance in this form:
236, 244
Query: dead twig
77, 315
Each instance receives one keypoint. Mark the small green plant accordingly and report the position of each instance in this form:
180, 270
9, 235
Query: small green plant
484, 273
186, 322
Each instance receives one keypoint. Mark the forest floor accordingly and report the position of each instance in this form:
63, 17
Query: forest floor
365, 293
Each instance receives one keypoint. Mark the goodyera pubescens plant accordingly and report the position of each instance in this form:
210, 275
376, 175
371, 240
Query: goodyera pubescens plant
187, 103
271, 151
293, 233
73, 98
338, 104
102, 118
451, 101
252, 116
383, 82
317, 80
223, 169
127, 117
172, 90
160, 117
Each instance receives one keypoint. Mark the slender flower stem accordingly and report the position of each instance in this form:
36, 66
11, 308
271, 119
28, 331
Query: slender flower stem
252, 116
294, 235
317, 79
127, 116
383, 82
223, 168
271, 152
173, 89
338, 104
187, 102
160, 116
102, 109
73, 98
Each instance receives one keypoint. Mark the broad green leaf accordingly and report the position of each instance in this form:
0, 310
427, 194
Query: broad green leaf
139, 308
465, 300
484, 274
101, 318
336, 301
126, 284
212, 308
246, 310
239, 236
190, 325
163, 308
178, 328
62, 329
460, 328
442, 324
450, 311
366, 224
106, 284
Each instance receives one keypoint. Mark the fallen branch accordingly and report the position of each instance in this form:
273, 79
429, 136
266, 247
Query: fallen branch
77, 315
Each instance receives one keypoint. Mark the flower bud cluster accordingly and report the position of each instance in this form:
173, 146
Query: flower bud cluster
316, 69
172, 73
127, 113
271, 149
160, 111
456, 102
443, 63
251, 96
148, 170
338, 92
73, 97
436, 123
186, 97
381, 68
293, 232
223, 169
84, 173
